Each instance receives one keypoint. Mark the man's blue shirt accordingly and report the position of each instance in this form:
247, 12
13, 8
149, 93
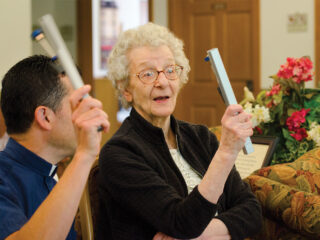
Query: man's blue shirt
25, 181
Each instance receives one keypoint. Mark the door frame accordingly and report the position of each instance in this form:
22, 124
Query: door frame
84, 41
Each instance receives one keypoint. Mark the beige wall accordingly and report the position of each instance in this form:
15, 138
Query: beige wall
160, 15
15, 27
276, 42
65, 15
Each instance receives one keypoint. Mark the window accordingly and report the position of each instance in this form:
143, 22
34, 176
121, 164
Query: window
110, 18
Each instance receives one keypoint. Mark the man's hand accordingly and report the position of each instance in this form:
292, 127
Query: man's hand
87, 117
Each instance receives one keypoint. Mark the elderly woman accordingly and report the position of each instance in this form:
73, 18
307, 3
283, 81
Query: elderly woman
161, 178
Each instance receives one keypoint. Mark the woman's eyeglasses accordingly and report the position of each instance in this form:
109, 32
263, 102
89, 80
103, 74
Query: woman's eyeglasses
149, 76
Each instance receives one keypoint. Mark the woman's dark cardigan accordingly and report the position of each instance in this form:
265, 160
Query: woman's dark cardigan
142, 191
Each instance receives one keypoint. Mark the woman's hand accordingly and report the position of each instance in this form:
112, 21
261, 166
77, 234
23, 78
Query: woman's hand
236, 127
216, 230
162, 236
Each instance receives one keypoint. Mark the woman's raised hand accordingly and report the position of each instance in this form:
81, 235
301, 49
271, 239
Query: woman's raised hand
236, 127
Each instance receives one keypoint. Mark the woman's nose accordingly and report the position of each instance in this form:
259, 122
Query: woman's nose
161, 80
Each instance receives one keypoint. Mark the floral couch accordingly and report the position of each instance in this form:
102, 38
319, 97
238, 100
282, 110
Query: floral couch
289, 196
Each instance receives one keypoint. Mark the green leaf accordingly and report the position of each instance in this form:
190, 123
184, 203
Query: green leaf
286, 134
290, 111
309, 95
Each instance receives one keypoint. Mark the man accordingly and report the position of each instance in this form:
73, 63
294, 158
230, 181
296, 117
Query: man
47, 121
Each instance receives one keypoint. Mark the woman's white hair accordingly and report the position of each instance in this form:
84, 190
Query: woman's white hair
151, 35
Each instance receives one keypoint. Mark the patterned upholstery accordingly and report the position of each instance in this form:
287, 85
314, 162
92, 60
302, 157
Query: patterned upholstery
289, 195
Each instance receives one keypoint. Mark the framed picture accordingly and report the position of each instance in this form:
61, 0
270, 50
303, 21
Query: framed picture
263, 150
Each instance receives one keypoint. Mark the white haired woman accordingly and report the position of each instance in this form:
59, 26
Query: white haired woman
161, 178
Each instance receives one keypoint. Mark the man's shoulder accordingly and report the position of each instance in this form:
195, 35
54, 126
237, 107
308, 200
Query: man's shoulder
6, 165
12, 173
9, 179
12, 202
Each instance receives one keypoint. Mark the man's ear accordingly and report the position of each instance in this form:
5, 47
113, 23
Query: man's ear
44, 117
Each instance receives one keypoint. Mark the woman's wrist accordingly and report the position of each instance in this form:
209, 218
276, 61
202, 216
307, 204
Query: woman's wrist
212, 184
225, 156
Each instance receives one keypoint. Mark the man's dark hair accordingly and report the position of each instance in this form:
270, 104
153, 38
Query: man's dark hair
32, 82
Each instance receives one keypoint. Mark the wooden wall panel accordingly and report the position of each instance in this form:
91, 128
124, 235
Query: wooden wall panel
206, 115
106, 94
84, 41
203, 41
239, 44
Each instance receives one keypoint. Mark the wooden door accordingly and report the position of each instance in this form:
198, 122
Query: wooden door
230, 25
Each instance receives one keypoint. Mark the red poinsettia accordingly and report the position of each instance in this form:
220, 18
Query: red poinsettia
298, 69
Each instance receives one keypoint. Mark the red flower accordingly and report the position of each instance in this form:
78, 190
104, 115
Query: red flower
270, 104
294, 123
298, 69
296, 119
299, 134
274, 90
258, 130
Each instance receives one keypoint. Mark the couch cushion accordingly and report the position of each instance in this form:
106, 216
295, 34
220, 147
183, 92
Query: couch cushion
272, 230
289, 193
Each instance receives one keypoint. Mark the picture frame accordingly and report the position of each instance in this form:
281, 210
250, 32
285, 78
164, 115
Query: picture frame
264, 147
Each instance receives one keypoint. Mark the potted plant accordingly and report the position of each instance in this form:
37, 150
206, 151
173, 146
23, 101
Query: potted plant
287, 110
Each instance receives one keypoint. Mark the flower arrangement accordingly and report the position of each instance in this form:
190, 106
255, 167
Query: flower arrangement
287, 110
